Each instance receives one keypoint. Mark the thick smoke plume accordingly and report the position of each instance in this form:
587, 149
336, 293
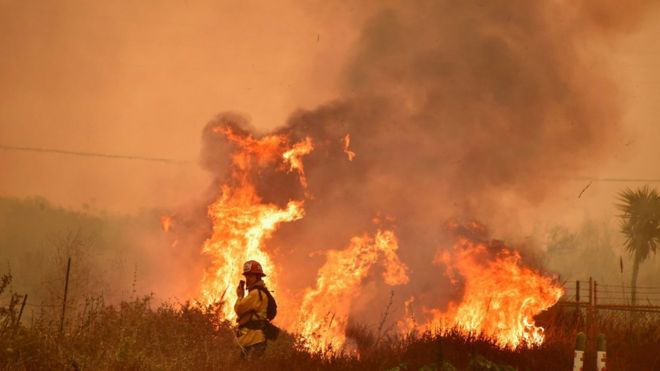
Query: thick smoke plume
455, 110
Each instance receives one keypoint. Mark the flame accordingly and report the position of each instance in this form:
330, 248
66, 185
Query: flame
166, 223
407, 324
347, 142
242, 222
325, 308
294, 155
500, 295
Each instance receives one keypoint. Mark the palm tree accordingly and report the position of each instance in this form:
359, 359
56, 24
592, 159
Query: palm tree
640, 224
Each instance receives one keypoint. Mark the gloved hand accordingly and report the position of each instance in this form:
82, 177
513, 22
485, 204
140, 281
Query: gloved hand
240, 291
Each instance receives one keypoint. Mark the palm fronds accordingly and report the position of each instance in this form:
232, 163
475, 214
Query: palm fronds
640, 220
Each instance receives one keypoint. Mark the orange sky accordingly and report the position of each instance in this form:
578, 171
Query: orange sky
141, 79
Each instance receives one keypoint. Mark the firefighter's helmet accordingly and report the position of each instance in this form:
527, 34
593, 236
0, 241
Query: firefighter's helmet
253, 267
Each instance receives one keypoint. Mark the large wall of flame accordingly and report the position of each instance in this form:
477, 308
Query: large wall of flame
455, 110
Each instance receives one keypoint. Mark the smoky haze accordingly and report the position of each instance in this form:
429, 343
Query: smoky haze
456, 111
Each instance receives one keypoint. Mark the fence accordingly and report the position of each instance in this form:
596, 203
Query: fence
595, 296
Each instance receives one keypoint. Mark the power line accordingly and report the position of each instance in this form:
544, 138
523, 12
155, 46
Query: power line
626, 180
174, 161
92, 154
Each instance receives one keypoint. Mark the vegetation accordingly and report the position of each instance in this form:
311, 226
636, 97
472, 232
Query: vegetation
139, 335
641, 226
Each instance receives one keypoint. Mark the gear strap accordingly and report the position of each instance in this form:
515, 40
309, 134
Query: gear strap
252, 313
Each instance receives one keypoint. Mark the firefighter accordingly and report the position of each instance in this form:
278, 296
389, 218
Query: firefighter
251, 311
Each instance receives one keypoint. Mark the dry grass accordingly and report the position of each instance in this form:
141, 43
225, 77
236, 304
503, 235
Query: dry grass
138, 335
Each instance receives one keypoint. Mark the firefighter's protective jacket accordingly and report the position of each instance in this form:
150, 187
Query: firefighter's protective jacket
252, 307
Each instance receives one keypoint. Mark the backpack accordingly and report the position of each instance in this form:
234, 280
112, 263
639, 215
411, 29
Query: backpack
270, 331
271, 310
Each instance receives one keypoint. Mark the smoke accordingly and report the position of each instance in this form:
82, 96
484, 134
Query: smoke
471, 104
456, 111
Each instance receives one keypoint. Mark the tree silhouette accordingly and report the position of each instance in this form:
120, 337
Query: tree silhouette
640, 224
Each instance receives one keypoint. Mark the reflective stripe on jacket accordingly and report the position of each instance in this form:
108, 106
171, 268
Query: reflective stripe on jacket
252, 307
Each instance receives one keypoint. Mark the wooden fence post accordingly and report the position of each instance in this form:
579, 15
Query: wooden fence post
66, 291
595, 293
577, 301
589, 310
20, 314
595, 326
